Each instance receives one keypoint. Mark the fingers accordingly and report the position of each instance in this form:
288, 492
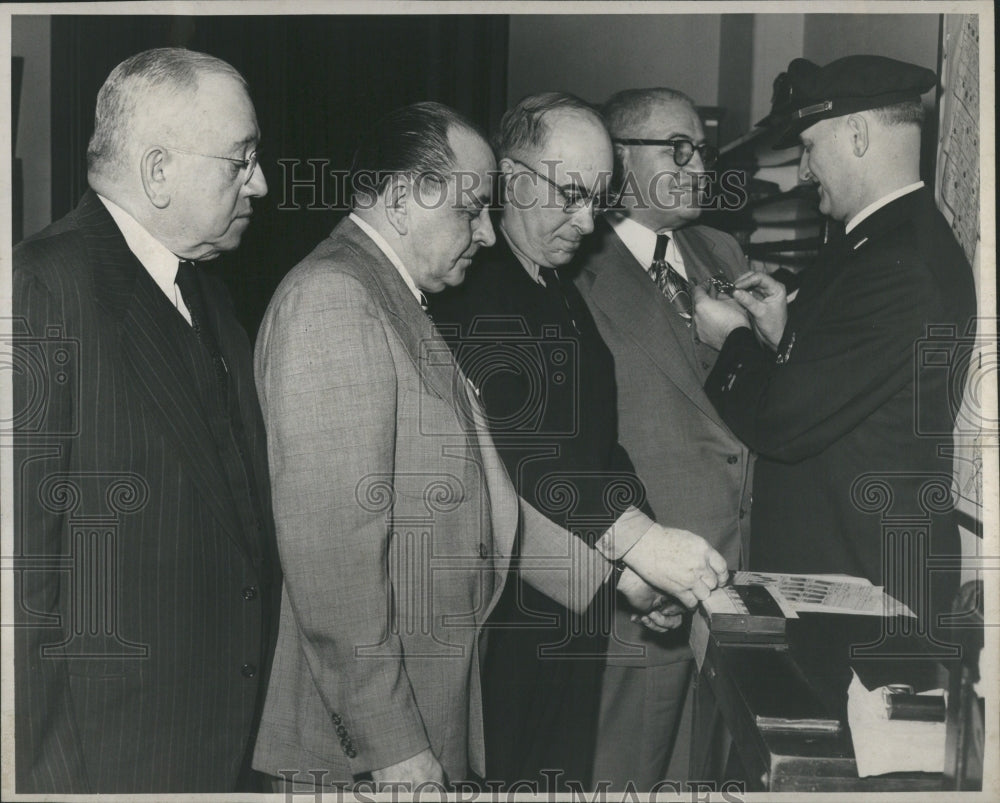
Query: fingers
762, 282
686, 598
719, 566
660, 622
700, 589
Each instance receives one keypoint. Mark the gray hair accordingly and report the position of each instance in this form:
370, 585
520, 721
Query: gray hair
171, 70
523, 127
630, 108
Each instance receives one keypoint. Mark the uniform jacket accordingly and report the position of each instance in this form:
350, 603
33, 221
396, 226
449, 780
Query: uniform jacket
850, 418
395, 524
146, 551
695, 471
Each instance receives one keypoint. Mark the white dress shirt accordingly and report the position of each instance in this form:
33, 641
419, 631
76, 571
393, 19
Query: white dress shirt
158, 260
392, 256
641, 243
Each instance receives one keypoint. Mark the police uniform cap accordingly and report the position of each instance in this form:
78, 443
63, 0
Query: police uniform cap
808, 93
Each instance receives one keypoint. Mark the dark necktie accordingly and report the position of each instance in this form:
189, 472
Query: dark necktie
190, 287
673, 286
554, 287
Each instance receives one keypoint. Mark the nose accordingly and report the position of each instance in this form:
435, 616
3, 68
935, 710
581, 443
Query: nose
695, 165
484, 234
583, 218
804, 172
257, 185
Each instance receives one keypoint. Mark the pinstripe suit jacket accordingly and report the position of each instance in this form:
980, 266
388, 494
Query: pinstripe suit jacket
395, 525
143, 589
696, 472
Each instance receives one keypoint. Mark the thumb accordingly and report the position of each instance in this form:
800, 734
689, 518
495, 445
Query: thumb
748, 301
698, 293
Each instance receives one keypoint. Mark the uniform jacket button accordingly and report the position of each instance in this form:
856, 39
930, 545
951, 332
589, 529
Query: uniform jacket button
249, 593
733, 458
248, 670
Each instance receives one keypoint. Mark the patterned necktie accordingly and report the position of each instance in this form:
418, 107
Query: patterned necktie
673, 286
187, 281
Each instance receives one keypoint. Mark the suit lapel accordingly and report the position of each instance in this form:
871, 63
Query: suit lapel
149, 351
621, 291
441, 375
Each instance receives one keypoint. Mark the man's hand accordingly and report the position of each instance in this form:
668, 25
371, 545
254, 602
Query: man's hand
715, 318
764, 298
667, 617
640, 594
654, 610
679, 562
418, 769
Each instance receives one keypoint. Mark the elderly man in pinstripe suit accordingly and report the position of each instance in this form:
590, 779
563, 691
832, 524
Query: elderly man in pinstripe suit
147, 577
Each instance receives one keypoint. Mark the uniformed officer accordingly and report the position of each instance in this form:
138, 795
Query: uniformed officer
831, 391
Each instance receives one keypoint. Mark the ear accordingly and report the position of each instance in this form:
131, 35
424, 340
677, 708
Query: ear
857, 127
153, 170
505, 169
396, 199
621, 154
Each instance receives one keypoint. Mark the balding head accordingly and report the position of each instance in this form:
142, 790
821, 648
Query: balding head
654, 189
174, 145
555, 156
147, 94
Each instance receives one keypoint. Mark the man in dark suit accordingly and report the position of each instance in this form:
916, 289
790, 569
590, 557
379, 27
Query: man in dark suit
695, 471
147, 573
835, 392
524, 337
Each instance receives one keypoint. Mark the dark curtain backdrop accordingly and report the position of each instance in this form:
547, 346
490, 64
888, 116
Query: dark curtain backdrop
318, 83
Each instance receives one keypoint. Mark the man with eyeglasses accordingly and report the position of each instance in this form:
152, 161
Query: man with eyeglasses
147, 600
525, 340
635, 274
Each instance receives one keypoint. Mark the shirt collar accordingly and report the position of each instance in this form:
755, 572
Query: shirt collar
391, 255
529, 265
158, 260
885, 200
641, 242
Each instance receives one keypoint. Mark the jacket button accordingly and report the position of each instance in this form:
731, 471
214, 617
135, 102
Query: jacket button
248, 670
484, 553
351, 752
706, 365
249, 593
733, 458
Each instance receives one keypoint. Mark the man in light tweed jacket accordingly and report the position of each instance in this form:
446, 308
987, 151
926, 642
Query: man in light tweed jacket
395, 518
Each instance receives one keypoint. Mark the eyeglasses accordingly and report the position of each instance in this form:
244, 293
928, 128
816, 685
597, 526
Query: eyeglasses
249, 164
573, 200
684, 149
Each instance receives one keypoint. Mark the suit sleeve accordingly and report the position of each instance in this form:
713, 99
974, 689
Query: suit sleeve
49, 754
855, 354
328, 391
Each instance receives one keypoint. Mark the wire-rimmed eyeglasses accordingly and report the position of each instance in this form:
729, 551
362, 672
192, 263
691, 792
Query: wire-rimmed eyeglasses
249, 163
573, 199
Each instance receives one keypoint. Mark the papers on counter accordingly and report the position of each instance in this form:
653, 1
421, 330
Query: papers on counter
882, 745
